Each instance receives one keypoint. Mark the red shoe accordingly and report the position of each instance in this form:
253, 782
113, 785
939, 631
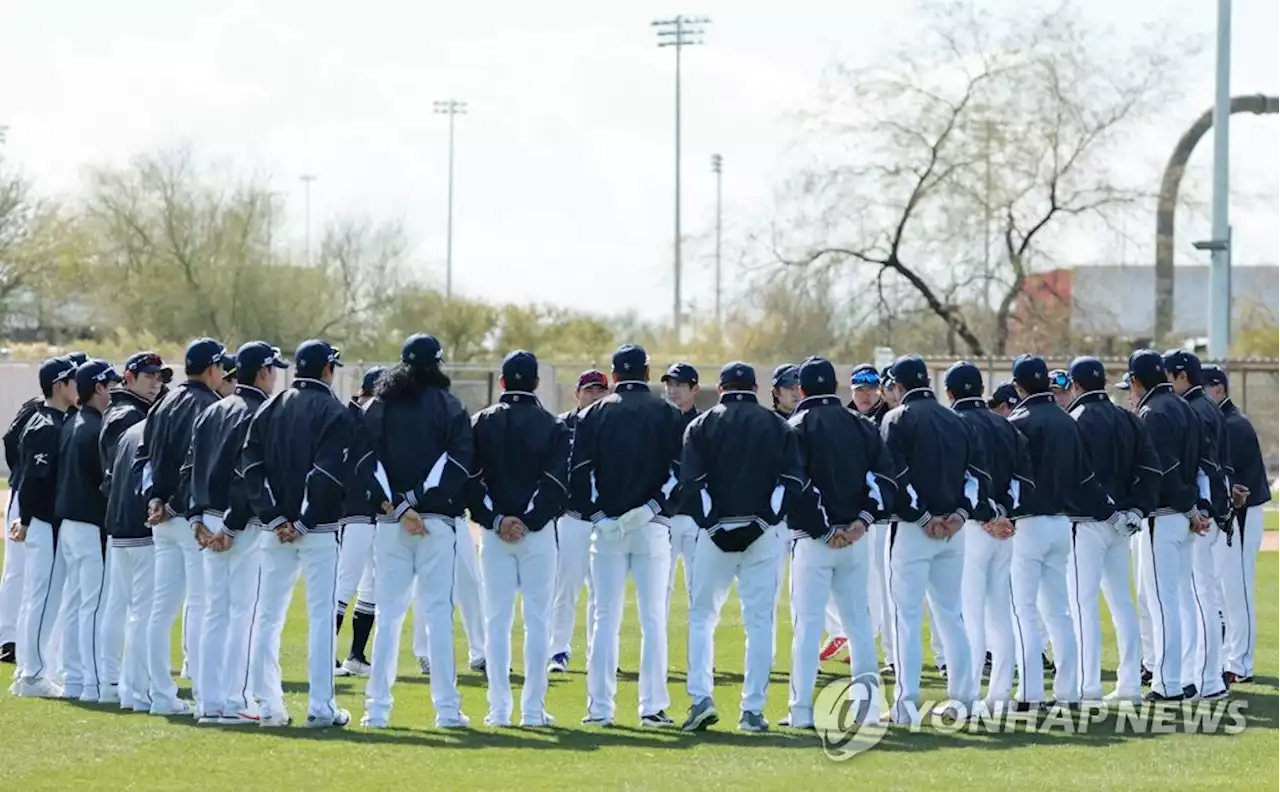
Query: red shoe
833, 646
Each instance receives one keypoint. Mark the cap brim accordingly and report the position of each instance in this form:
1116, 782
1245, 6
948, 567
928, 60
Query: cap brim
280, 363
147, 369
585, 385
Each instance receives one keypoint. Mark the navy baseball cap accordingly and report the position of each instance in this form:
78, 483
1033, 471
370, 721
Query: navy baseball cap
229, 366
592, 378
92, 372
864, 376
144, 363
786, 376
1089, 373
421, 349
77, 358
1125, 383
817, 377
203, 353
1147, 367
55, 370
630, 361
963, 379
1213, 374
254, 356
1059, 379
681, 372
910, 371
738, 373
1032, 373
886, 376
1004, 394
519, 370
313, 355
1180, 361
371, 378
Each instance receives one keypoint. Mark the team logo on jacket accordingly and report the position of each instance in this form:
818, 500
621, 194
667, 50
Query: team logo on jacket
846, 716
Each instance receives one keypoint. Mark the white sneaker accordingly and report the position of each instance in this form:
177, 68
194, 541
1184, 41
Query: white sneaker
89, 695
72, 691
179, 707
109, 695
339, 670
1119, 696
210, 719
535, 722
370, 722
275, 720
36, 687
356, 667
495, 722
339, 719
458, 721
238, 719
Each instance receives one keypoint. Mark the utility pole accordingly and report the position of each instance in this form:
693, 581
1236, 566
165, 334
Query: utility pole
451, 108
679, 32
717, 167
307, 178
1220, 268
986, 217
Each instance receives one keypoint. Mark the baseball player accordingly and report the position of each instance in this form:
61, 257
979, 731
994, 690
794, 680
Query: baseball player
681, 380
517, 490
1065, 488
355, 558
132, 569
851, 483
985, 597
44, 570
1123, 460
786, 389
1060, 387
1181, 510
295, 467
178, 565
417, 455
223, 523
1237, 554
625, 463
573, 540
11, 575
466, 597
1202, 657
738, 466
1145, 630
80, 508
943, 482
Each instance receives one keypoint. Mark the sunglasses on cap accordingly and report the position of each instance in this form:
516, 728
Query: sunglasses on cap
1059, 379
866, 379
335, 355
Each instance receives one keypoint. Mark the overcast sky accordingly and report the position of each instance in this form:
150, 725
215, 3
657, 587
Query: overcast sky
564, 161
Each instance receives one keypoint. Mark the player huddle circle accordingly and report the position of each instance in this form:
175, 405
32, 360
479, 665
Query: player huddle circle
1005, 514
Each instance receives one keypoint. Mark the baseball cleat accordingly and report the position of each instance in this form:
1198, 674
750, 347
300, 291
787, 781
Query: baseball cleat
559, 663
796, 723
1155, 697
1230, 678
8, 653
89, 695
356, 667
658, 720
458, 721
424, 665
72, 691
496, 721
752, 722
1189, 691
1119, 696
275, 720
209, 719
1221, 694
602, 722
36, 687
1146, 676
178, 707
478, 665
339, 670
833, 646
109, 695
544, 719
370, 722
238, 719
701, 715
339, 718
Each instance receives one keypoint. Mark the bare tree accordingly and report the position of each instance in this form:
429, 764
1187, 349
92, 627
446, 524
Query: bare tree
982, 132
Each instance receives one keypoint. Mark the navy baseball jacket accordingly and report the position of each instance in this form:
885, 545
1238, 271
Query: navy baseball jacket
1246, 455
940, 463
217, 480
521, 463
1215, 451
358, 504
294, 460
849, 471
126, 520
575, 507
675, 501
38, 456
1118, 451
13, 440
1175, 434
626, 453
80, 496
166, 442
126, 409
1005, 452
735, 457
1065, 485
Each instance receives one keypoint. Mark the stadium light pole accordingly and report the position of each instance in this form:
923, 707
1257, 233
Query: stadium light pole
679, 32
307, 179
717, 167
1220, 265
451, 108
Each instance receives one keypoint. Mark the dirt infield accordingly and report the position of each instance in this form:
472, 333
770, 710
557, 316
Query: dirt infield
1271, 541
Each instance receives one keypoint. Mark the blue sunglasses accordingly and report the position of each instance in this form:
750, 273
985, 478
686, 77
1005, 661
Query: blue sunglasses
866, 378
1059, 379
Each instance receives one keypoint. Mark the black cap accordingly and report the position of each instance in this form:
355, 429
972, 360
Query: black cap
1032, 373
254, 356
1059, 379
371, 378
1089, 373
1147, 367
910, 372
886, 376
963, 379
864, 376
77, 358
592, 378
1004, 394
738, 373
519, 370
92, 372
144, 363
203, 353
786, 376
1180, 361
681, 372
817, 377
229, 366
629, 362
1213, 374
313, 355
55, 370
421, 349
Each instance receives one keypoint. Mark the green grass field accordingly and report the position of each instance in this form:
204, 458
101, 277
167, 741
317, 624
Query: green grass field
65, 745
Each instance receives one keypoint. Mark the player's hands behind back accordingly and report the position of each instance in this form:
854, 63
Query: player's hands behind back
511, 529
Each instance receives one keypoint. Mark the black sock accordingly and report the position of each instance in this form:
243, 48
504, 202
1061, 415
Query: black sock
361, 627
342, 611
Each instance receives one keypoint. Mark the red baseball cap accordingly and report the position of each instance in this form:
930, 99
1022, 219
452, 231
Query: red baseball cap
592, 379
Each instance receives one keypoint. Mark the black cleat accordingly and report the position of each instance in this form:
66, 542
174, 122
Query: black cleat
1156, 698
1146, 676
8, 653
1189, 691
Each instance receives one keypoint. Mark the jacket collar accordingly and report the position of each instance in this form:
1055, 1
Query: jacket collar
249, 390
517, 397
822, 400
733, 397
1193, 393
198, 385
1088, 397
1036, 398
1159, 388
89, 409
969, 403
125, 396
309, 383
632, 386
1228, 407
919, 394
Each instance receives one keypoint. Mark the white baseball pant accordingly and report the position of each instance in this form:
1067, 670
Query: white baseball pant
1201, 624
231, 580
111, 625
987, 611
315, 556
644, 553
1237, 565
1038, 573
1100, 560
527, 567
11, 577
1145, 629
916, 565
466, 596
756, 570
353, 560
831, 617
400, 559
125, 619
173, 577
784, 555
820, 576
573, 566
878, 590
44, 572
1166, 571
684, 537
80, 545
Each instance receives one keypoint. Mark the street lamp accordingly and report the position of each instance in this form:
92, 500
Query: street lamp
451, 108
717, 167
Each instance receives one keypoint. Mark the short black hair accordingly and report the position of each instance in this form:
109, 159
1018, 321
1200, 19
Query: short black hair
84, 393
737, 385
